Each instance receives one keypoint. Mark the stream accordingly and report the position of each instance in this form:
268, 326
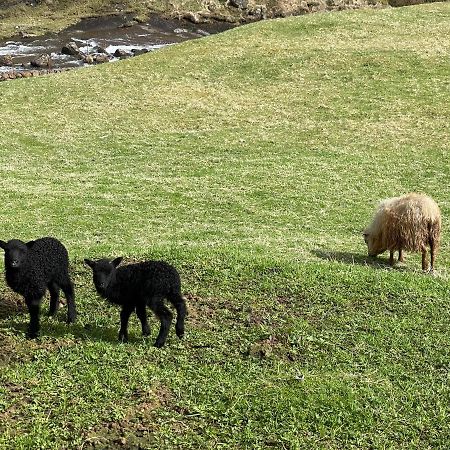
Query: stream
114, 36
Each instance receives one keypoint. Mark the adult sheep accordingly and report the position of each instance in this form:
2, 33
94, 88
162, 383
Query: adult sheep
33, 267
411, 222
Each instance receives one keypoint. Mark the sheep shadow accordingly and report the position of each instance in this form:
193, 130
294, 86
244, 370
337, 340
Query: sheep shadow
352, 258
14, 317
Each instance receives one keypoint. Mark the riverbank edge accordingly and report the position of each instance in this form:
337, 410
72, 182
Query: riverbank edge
33, 19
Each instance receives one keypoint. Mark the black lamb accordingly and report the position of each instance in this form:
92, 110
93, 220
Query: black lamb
136, 286
31, 268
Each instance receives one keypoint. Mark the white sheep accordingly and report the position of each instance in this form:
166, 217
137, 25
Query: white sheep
411, 222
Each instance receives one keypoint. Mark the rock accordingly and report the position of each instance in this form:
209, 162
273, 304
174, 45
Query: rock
127, 24
139, 51
259, 12
192, 17
98, 49
180, 30
43, 60
121, 53
71, 49
241, 4
6, 60
102, 58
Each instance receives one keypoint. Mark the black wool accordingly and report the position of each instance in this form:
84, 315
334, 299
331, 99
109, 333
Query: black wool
136, 286
33, 267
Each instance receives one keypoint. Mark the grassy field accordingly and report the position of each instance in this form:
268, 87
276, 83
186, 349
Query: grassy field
252, 160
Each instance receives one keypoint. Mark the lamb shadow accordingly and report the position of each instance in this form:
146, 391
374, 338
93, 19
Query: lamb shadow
352, 258
56, 327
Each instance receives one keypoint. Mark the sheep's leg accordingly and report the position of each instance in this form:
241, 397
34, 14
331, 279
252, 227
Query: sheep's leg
391, 258
400, 255
67, 288
165, 317
33, 305
141, 312
424, 259
180, 305
54, 298
433, 255
124, 317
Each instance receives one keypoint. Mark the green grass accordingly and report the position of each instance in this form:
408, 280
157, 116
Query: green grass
251, 160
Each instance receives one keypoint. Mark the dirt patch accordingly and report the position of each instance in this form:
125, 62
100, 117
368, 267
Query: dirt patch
199, 310
136, 429
11, 305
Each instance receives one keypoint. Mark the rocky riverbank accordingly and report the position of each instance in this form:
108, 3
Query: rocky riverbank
36, 17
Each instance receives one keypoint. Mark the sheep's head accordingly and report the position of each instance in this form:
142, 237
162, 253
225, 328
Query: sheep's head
373, 242
16, 252
104, 273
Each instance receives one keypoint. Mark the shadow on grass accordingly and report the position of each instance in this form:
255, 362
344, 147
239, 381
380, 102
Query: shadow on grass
59, 329
351, 258
11, 308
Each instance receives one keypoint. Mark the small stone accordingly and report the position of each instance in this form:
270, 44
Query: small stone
6, 60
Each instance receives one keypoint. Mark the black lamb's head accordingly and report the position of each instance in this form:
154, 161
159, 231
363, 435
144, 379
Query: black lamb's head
104, 273
16, 252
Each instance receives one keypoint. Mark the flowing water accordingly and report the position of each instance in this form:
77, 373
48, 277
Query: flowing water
111, 33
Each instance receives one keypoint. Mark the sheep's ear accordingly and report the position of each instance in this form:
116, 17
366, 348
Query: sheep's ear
3, 245
30, 244
117, 261
89, 262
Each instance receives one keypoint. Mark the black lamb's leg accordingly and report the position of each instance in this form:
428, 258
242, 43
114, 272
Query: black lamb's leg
141, 312
53, 288
33, 305
68, 290
177, 300
124, 317
165, 317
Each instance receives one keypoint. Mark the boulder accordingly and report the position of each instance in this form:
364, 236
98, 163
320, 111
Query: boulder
43, 60
72, 49
139, 51
121, 53
6, 60
101, 58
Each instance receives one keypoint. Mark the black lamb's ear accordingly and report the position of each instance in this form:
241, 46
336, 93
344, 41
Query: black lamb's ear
117, 261
3, 245
30, 244
89, 262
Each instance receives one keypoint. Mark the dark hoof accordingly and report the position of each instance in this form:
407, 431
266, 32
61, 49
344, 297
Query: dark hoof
146, 332
123, 338
159, 344
180, 334
32, 335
